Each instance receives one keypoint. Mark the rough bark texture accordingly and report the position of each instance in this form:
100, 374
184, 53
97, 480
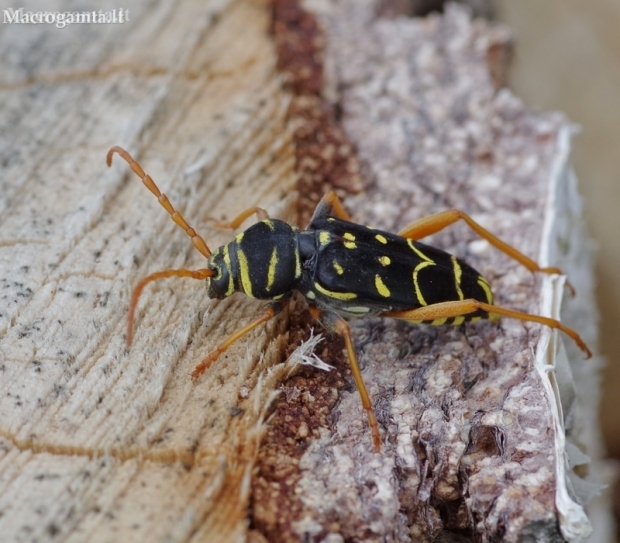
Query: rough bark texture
99, 443
474, 444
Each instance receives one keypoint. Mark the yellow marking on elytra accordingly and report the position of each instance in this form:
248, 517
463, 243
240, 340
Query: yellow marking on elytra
324, 238
475, 319
278, 297
228, 264
349, 244
271, 272
418, 252
337, 295
239, 237
458, 320
381, 239
270, 224
381, 288
358, 309
385, 260
339, 269
439, 322
458, 273
246, 283
487, 289
418, 292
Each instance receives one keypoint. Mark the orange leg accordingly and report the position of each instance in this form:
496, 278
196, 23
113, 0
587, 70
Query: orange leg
340, 326
434, 223
463, 307
330, 206
261, 215
194, 274
198, 242
268, 314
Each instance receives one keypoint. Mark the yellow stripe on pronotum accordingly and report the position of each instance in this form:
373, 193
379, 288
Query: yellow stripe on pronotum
228, 264
246, 283
297, 264
271, 272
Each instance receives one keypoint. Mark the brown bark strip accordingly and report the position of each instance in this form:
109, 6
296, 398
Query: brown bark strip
325, 158
304, 406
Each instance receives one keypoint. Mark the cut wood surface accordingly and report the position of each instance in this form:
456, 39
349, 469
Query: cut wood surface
101, 443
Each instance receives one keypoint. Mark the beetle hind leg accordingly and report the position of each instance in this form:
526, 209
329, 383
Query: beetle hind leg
434, 223
261, 215
445, 310
330, 206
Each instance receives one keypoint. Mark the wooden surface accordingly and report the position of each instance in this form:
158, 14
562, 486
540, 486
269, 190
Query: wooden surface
102, 444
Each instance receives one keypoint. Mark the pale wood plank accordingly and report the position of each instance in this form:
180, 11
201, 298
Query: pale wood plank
100, 444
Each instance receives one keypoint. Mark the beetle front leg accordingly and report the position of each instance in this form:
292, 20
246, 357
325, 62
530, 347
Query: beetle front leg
271, 310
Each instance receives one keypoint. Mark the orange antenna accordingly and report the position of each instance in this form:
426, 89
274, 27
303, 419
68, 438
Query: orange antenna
198, 242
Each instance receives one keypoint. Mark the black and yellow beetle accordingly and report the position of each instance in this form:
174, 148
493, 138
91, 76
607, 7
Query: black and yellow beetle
344, 270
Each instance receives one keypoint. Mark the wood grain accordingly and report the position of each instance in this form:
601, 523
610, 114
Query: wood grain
99, 443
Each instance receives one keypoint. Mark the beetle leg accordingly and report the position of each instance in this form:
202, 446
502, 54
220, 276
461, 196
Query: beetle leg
337, 324
194, 274
330, 206
261, 215
445, 310
198, 242
434, 223
270, 311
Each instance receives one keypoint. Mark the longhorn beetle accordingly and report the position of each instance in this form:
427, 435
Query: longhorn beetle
343, 269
